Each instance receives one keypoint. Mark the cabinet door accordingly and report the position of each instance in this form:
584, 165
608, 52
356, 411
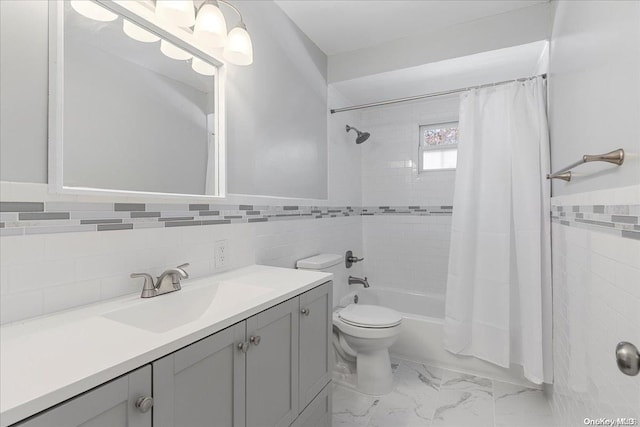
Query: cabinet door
202, 384
272, 366
316, 361
109, 405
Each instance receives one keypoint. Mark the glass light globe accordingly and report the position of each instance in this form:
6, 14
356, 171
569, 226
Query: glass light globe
202, 67
138, 33
180, 13
239, 50
210, 28
93, 10
173, 51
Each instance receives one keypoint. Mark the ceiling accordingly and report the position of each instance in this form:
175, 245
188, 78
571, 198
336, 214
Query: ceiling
338, 26
482, 68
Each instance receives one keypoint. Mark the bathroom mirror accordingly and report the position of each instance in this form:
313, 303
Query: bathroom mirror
134, 107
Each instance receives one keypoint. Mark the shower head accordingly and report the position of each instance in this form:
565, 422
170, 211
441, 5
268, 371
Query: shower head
362, 136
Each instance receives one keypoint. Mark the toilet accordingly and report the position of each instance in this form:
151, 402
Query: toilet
362, 334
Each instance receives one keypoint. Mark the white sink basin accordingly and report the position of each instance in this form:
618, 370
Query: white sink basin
169, 311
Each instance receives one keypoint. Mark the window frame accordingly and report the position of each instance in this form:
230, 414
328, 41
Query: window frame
422, 148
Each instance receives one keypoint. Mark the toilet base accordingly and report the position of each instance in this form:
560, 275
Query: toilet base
374, 372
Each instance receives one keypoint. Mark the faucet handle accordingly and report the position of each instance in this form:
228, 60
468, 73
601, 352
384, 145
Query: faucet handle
182, 267
349, 259
149, 288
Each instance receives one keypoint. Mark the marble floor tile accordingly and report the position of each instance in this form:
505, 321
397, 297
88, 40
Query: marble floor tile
464, 382
413, 399
398, 417
520, 406
462, 408
424, 396
351, 408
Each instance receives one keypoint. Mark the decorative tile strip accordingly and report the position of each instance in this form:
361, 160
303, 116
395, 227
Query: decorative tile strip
620, 220
408, 210
20, 218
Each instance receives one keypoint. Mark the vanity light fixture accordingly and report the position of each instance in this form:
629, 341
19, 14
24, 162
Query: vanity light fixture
237, 45
173, 51
211, 27
180, 13
93, 11
138, 33
239, 50
202, 67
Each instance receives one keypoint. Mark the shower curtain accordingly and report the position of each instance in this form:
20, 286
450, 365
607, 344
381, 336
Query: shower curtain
498, 299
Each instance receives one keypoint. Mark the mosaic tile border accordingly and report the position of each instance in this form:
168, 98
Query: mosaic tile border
18, 218
620, 220
24, 218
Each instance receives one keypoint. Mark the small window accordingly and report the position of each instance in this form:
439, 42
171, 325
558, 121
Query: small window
438, 147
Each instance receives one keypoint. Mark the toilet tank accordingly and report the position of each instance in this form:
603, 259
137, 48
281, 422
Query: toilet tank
328, 263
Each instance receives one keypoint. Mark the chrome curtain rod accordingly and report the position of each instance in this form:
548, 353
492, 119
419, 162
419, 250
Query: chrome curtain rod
430, 95
615, 157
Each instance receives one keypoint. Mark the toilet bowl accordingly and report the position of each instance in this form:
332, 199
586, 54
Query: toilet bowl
367, 331
362, 335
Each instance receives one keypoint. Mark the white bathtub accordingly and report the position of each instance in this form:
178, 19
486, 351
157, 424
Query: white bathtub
421, 336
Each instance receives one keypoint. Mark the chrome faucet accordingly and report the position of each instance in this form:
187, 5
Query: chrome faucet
168, 281
356, 280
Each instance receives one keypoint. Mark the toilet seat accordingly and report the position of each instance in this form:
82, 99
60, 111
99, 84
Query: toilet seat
369, 316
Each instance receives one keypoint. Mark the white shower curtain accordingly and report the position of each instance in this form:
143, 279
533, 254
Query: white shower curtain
498, 305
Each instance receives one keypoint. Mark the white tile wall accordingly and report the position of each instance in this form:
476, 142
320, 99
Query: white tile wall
40, 274
405, 252
596, 298
390, 156
46, 273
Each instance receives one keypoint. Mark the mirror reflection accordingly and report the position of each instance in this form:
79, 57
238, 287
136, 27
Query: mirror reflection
138, 111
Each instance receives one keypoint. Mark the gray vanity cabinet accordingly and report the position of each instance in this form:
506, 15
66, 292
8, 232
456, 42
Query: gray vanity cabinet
272, 366
316, 361
271, 370
109, 405
202, 384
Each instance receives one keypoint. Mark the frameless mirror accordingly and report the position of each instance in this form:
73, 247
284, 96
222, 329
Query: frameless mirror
134, 112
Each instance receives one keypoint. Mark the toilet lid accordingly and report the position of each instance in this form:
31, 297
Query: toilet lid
370, 316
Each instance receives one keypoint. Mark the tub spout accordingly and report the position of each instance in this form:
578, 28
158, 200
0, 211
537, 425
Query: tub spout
357, 280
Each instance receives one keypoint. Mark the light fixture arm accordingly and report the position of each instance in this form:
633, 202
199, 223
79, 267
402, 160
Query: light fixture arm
217, 4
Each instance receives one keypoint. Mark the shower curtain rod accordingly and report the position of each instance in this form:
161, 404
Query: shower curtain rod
430, 95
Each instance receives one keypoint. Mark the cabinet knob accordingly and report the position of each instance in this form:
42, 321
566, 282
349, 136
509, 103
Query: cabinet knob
305, 311
255, 340
144, 403
243, 346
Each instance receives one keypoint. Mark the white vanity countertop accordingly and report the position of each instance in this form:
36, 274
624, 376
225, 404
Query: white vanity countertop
49, 359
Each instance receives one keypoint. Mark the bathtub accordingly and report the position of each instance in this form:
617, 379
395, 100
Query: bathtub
421, 336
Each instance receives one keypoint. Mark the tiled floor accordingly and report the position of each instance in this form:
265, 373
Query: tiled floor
427, 396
